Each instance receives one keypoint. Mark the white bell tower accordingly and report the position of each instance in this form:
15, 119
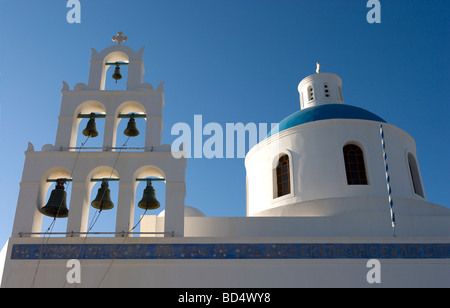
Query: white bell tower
81, 168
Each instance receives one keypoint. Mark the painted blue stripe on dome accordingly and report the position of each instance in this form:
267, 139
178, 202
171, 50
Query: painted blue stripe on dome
324, 112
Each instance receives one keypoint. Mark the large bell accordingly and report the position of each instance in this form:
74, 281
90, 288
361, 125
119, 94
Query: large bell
117, 76
131, 130
103, 199
91, 128
56, 206
149, 201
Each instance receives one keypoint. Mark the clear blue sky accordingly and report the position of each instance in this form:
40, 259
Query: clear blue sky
230, 61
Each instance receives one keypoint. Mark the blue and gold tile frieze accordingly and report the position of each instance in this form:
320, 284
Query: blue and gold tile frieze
230, 251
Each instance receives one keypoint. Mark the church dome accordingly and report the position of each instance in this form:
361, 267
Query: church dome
324, 112
328, 152
189, 211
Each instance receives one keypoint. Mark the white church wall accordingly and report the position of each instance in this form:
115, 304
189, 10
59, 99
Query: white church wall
3, 255
334, 217
277, 262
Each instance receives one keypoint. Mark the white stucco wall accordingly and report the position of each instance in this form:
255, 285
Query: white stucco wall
3, 254
234, 272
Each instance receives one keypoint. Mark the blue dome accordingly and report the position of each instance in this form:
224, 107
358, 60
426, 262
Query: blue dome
324, 112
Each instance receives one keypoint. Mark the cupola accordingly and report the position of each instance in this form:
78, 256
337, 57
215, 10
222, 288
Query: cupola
320, 89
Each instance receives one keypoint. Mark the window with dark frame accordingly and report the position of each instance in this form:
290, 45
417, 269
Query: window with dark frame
415, 177
355, 167
283, 176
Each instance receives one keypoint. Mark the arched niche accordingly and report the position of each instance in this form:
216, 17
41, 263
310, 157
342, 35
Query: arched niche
99, 173
52, 173
108, 69
106, 221
148, 171
127, 108
44, 192
112, 54
87, 107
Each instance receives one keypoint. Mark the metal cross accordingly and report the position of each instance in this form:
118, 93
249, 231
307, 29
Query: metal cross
119, 38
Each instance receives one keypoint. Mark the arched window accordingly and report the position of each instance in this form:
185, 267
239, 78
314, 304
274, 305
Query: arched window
354, 165
310, 93
415, 176
326, 90
283, 176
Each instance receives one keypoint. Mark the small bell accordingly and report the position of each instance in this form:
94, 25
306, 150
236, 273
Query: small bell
131, 130
149, 201
103, 199
117, 76
91, 128
56, 206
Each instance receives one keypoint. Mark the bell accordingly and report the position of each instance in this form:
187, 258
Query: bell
56, 206
149, 201
117, 76
91, 128
103, 199
131, 130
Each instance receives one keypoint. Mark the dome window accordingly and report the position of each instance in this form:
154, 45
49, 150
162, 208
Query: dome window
326, 90
310, 93
415, 176
283, 176
355, 167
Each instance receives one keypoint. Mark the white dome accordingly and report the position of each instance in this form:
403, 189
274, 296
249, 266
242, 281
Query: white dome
303, 159
189, 211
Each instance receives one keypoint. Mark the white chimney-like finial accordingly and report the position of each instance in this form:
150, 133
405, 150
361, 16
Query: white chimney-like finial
320, 89
317, 67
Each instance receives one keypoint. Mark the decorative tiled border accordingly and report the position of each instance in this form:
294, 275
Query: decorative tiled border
231, 251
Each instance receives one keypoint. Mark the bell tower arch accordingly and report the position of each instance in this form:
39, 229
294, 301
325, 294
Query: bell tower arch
101, 62
81, 164
85, 99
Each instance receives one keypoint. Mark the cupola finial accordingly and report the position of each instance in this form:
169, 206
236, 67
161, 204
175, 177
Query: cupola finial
318, 68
